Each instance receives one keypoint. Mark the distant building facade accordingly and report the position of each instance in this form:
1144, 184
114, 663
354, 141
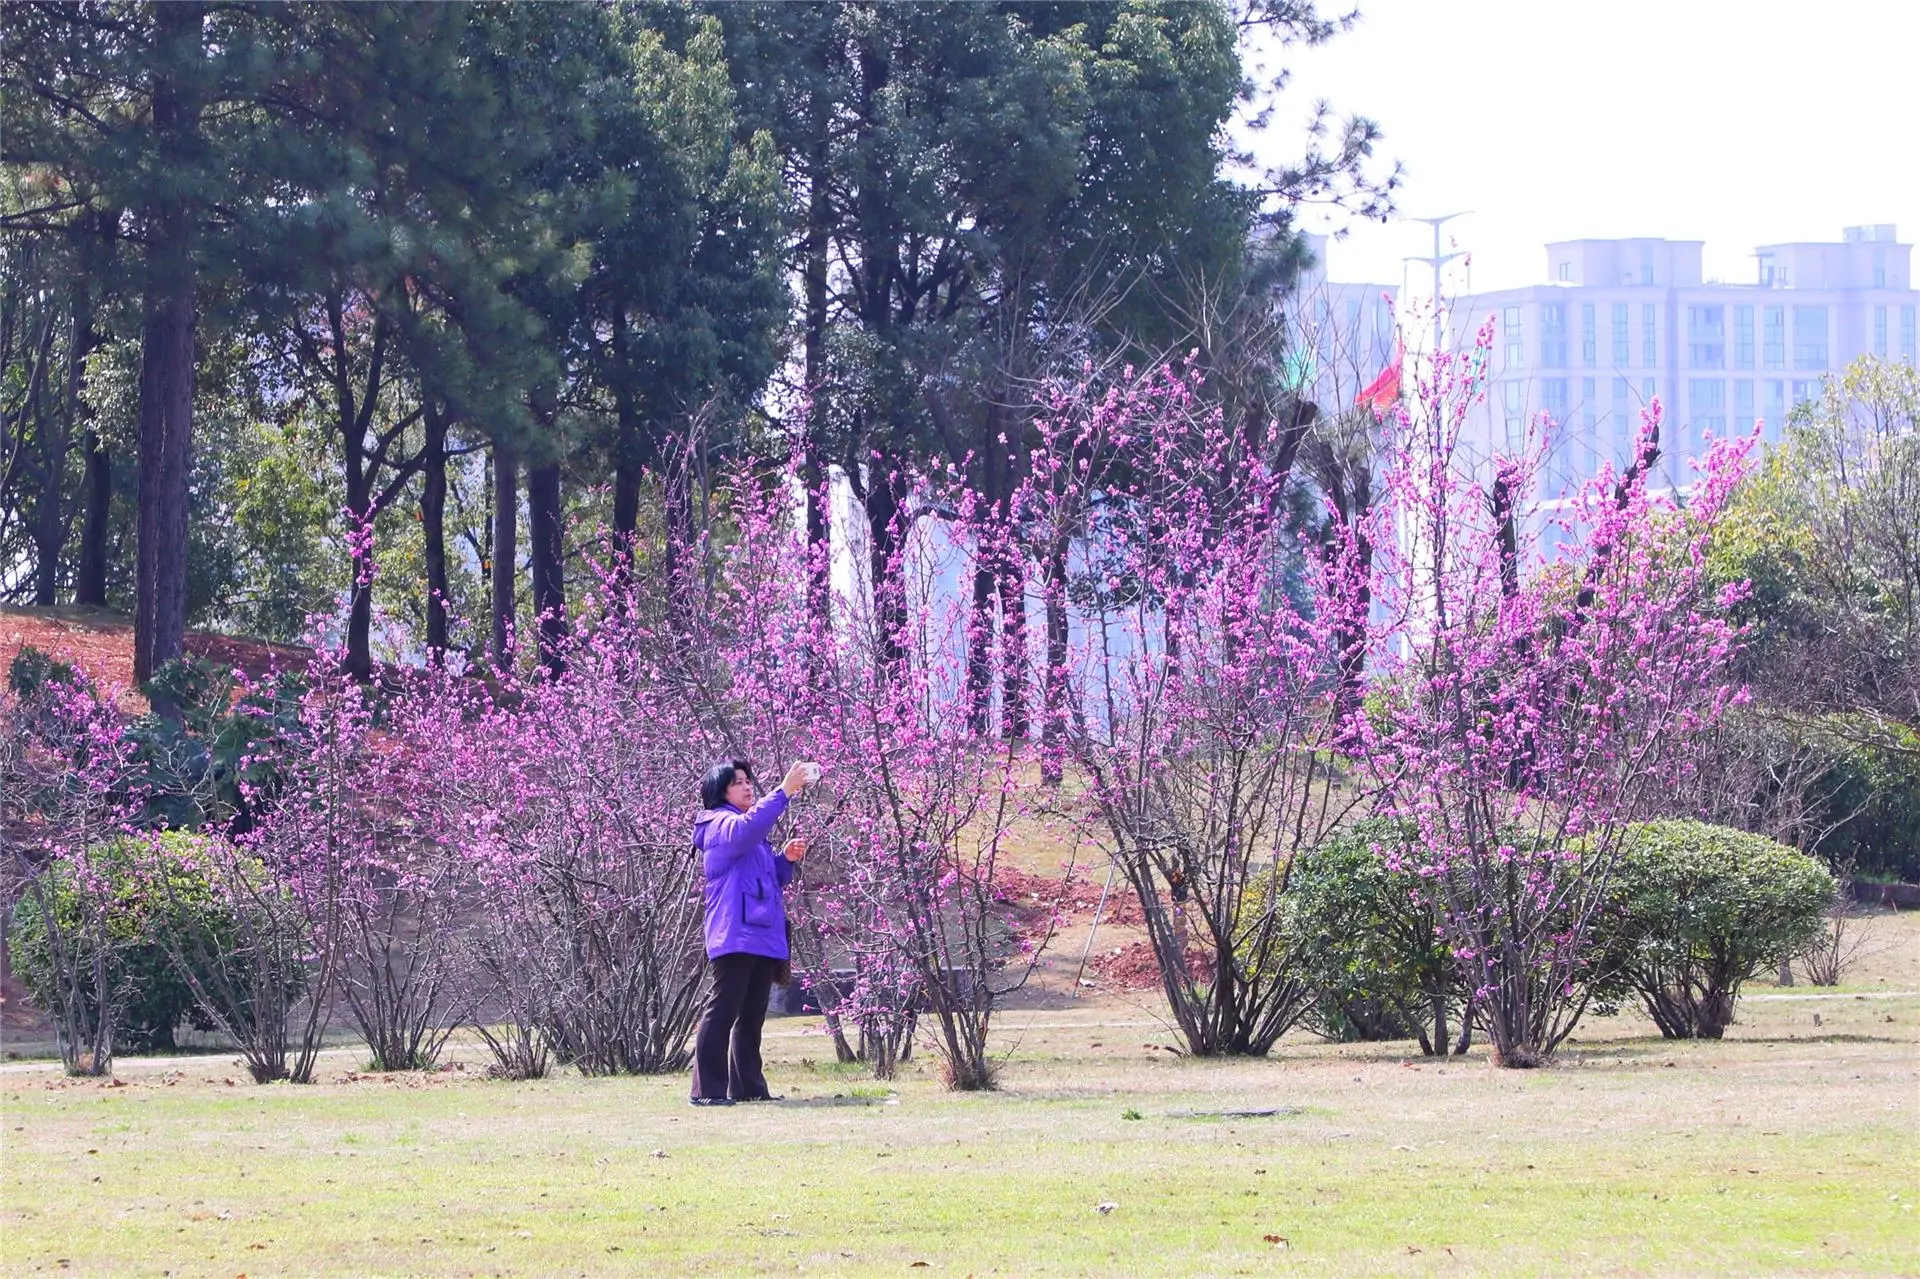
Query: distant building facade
1344, 334
1619, 322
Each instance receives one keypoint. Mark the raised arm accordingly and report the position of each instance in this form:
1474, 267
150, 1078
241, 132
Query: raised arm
739, 832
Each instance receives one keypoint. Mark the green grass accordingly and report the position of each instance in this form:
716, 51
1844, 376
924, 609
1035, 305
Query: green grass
1786, 1149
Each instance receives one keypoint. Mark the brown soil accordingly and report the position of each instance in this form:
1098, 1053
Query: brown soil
100, 643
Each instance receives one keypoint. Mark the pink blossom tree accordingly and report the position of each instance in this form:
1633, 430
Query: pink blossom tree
1528, 707
1203, 706
65, 765
896, 909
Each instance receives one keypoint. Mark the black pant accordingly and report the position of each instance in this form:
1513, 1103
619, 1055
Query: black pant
737, 1009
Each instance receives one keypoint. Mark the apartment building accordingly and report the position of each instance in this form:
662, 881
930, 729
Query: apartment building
1620, 322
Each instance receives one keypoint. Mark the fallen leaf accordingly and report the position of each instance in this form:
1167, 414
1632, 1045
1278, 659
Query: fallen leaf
1105, 1207
1278, 1241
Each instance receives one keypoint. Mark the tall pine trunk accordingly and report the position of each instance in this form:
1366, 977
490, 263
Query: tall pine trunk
1053, 692
1012, 587
52, 511
813, 472
90, 576
886, 532
680, 536
506, 525
433, 526
547, 556
166, 360
166, 450
629, 464
986, 575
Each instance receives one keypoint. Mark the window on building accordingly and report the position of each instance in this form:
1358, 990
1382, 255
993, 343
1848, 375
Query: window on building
1553, 398
1775, 334
1514, 418
1776, 414
1646, 264
1589, 338
1622, 344
1805, 392
1809, 337
1743, 410
1707, 403
1566, 270
1649, 337
1879, 268
1510, 327
1706, 414
1907, 336
1742, 337
1553, 335
1589, 427
1706, 337
1880, 331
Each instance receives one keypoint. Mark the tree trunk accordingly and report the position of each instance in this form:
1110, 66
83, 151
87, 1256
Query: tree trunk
52, 510
629, 461
166, 363
506, 523
679, 532
813, 472
360, 563
547, 556
49, 511
986, 577
433, 526
980, 638
90, 577
885, 534
1053, 694
166, 418
626, 504
1012, 585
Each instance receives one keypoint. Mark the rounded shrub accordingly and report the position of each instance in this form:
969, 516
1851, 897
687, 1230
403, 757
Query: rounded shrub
134, 894
1693, 912
1368, 929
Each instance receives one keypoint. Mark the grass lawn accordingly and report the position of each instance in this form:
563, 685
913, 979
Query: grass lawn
1792, 1147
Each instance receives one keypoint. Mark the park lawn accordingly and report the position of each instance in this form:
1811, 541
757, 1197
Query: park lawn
1789, 1148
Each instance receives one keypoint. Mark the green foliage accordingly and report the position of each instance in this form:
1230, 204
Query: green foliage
133, 894
1370, 932
1827, 532
197, 768
1696, 910
1874, 807
31, 671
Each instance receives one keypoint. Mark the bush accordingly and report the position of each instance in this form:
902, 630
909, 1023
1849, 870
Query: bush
146, 989
1370, 936
1694, 911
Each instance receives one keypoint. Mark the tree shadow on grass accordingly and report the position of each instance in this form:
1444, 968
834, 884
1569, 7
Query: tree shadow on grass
1646, 1049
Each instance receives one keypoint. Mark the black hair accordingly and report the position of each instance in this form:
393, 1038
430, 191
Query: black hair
713, 787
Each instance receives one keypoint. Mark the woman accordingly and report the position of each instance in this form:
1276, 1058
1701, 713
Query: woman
746, 925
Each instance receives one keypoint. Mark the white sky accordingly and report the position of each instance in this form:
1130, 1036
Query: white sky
1736, 122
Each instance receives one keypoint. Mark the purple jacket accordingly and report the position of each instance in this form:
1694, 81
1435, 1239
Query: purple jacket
744, 912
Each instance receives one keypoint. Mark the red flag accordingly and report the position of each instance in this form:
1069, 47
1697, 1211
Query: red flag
1383, 392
